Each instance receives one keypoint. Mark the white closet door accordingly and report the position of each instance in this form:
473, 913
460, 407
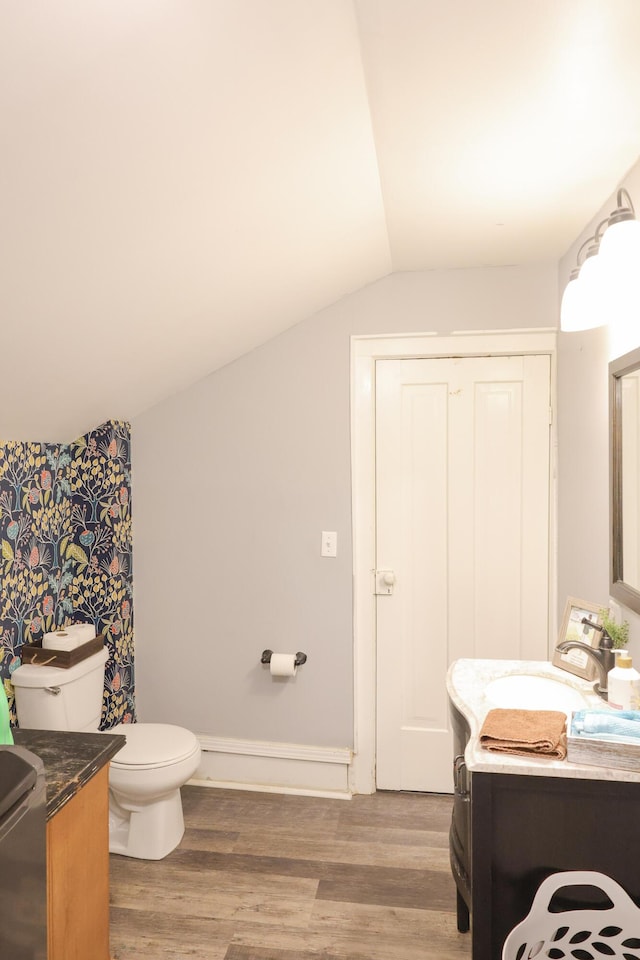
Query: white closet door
462, 503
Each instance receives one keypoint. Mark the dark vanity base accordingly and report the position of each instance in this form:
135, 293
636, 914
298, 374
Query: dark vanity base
460, 832
525, 828
462, 913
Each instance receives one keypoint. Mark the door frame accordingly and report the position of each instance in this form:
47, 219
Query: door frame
365, 352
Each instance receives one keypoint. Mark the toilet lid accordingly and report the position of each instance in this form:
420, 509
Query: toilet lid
152, 744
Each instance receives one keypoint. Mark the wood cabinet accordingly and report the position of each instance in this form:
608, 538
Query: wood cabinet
460, 832
523, 828
78, 874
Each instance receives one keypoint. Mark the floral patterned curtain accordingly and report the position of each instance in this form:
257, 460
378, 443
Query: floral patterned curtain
65, 533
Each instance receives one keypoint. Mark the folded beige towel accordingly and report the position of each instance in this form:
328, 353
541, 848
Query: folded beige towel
525, 732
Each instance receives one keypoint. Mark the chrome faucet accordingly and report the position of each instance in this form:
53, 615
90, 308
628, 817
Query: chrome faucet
603, 657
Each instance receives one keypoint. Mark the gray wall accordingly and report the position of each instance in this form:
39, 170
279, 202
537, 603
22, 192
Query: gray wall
583, 468
233, 482
583, 451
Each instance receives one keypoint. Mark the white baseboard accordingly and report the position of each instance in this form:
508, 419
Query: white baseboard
295, 768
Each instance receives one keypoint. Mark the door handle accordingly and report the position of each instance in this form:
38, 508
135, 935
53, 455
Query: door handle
385, 582
460, 785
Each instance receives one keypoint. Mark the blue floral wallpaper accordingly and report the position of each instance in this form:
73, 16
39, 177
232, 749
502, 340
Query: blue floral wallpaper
65, 535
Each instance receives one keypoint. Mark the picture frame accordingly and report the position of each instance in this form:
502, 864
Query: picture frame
575, 661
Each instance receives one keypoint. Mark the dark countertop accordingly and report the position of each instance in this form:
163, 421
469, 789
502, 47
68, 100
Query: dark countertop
70, 759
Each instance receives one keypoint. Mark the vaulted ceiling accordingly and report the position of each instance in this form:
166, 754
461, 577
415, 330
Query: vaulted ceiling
180, 180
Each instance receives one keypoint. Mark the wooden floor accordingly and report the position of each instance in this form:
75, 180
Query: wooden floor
262, 876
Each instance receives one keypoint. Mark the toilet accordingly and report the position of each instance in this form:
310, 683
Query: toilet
145, 776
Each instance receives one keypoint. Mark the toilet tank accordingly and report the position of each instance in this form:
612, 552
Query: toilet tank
57, 698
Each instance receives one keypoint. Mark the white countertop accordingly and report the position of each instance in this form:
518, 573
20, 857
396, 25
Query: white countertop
467, 681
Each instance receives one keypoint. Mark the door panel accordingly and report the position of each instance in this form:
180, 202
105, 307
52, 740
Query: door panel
462, 490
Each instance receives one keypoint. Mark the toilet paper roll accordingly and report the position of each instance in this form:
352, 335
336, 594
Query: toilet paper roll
59, 641
69, 638
283, 665
82, 632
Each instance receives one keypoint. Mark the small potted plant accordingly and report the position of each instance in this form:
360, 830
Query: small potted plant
619, 632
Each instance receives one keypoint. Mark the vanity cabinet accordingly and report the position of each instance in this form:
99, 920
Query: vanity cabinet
78, 875
460, 831
524, 828
517, 820
76, 769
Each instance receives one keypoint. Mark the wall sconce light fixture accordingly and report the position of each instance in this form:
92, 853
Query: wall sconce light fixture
621, 240
594, 282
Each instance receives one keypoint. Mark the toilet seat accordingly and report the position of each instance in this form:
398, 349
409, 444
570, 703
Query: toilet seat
151, 746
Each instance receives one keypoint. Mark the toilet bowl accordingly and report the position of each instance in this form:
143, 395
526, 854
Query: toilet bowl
145, 776
145, 807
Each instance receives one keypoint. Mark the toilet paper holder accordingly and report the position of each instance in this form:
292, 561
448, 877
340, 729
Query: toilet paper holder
299, 660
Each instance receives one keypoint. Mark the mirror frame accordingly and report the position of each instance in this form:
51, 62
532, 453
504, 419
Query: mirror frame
618, 589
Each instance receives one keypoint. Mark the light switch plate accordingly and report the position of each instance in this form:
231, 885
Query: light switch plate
329, 543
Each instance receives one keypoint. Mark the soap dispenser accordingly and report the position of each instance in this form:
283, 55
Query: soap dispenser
5, 720
623, 684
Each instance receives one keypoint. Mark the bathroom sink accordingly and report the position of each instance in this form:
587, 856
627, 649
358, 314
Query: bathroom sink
526, 692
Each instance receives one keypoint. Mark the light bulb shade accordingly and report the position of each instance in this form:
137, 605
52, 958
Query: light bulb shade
620, 253
582, 305
605, 290
620, 245
623, 301
570, 307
